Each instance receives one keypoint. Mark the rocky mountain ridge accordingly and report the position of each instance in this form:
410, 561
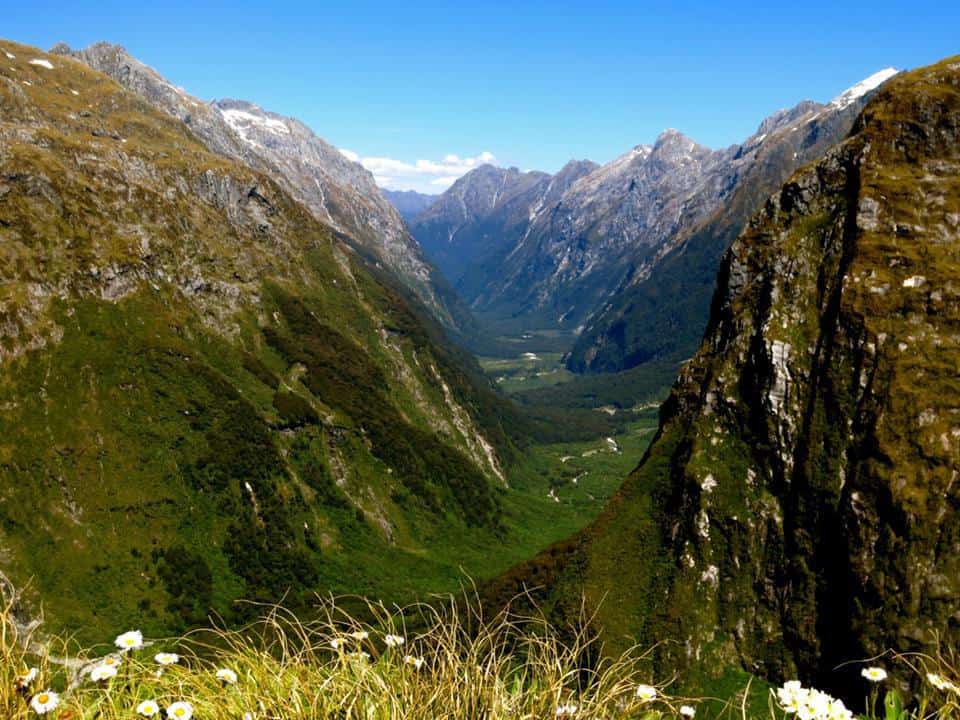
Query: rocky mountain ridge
797, 509
480, 218
562, 262
338, 191
206, 393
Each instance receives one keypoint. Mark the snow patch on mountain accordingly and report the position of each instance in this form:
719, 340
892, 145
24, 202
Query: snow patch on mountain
242, 121
851, 94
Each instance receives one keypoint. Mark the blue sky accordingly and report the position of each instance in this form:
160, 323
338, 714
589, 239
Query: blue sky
531, 83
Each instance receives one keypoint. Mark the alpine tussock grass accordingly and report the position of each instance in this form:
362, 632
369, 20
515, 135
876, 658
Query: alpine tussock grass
429, 661
425, 661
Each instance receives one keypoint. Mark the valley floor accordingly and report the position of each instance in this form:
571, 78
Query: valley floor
554, 491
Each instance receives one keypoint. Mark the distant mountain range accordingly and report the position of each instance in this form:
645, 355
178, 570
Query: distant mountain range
623, 255
409, 203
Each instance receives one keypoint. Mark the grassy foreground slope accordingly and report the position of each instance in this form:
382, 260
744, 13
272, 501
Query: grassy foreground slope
420, 662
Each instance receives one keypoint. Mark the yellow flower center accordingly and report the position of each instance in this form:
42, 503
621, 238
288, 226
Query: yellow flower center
179, 712
43, 699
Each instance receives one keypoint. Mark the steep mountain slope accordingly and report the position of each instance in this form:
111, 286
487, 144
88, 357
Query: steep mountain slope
338, 191
409, 203
659, 311
470, 229
575, 251
205, 393
798, 507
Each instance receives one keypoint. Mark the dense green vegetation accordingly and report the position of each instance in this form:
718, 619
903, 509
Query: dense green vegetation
234, 510
207, 396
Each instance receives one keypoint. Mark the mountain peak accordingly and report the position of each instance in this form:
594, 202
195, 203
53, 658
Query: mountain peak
863, 87
672, 138
100, 48
672, 144
576, 167
670, 135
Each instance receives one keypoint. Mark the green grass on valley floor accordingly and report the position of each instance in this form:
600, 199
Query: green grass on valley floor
555, 491
528, 371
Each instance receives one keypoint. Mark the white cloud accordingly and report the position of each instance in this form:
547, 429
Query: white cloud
444, 182
428, 176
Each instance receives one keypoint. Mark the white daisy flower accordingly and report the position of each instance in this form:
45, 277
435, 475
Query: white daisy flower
359, 656
25, 679
563, 710
394, 640
111, 661
180, 711
44, 702
646, 693
166, 658
687, 711
248, 716
814, 705
836, 710
941, 683
336, 643
148, 708
226, 675
360, 635
102, 672
874, 674
417, 662
791, 696
132, 640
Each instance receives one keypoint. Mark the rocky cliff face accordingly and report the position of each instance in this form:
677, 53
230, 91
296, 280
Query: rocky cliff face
205, 393
798, 507
338, 191
660, 309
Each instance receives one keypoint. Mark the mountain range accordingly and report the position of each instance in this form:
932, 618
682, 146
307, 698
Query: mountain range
231, 368
621, 256
797, 509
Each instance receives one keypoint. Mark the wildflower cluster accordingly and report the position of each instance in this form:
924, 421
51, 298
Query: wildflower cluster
810, 703
106, 669
283, 667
